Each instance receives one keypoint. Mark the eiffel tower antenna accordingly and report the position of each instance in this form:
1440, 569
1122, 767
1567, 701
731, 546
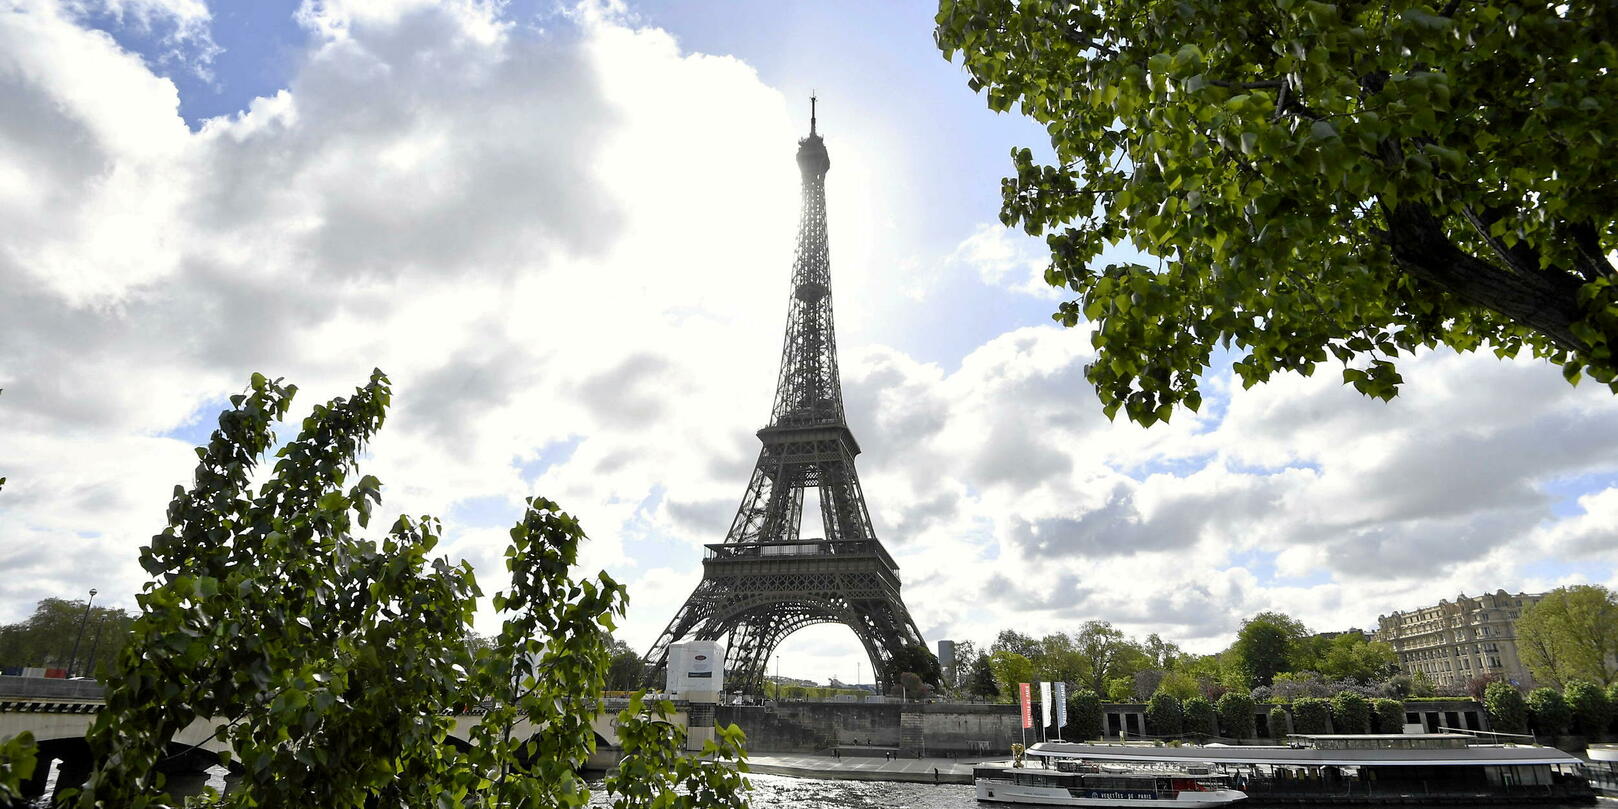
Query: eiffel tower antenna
766, 581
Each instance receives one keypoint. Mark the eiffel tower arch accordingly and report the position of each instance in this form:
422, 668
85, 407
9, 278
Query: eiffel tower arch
766, 580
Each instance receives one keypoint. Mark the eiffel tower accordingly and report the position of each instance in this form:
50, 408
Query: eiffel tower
765, 581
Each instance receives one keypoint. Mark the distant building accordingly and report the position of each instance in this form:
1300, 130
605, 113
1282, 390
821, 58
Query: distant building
1455, 642
946, 660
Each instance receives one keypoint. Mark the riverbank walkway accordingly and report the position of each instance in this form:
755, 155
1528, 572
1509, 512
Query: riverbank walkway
861, 768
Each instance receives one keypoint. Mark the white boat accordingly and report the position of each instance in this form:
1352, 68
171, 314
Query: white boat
1072, 784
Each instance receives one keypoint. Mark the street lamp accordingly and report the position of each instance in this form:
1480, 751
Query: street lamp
74, 658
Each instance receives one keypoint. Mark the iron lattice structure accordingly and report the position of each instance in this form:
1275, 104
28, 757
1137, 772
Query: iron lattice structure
765, 582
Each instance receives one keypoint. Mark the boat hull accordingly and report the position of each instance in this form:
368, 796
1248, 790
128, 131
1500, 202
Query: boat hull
1002, 792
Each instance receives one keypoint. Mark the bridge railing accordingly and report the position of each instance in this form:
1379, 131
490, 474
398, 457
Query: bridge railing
48, 688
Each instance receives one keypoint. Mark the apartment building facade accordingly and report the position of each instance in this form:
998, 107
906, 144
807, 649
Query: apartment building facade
1453, 642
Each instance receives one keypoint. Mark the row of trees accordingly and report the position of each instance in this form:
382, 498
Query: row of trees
1273, 656
1579, 707
1569, 636
47, 637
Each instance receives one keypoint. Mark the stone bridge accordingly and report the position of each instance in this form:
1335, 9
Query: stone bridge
59, 712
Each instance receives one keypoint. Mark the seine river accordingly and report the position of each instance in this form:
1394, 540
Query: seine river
780, 792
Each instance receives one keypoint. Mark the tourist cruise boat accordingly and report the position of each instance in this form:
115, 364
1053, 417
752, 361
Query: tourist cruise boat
1364, 769
1075, 784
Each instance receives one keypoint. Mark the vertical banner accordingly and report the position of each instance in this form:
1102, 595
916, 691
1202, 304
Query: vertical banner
1027, 712
1044, 704
1061, 707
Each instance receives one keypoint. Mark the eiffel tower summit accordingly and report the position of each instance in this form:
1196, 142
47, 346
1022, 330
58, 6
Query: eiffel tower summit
766, 580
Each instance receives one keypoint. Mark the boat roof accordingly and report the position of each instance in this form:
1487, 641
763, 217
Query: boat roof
1381, 736
1476, 755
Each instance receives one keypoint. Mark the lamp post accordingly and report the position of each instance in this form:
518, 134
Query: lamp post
74, 657
95, 644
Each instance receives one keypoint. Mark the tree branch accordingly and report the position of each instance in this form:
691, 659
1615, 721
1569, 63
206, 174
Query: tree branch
1546, 302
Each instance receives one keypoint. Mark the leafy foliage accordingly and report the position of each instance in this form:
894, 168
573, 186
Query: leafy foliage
1083, 714
1164, 715
46, 637
1348, 656
17, 763
653, 774
917, 659
1548, 711
1387, 715
1350, 180
1010, 669
1350, 713
1589, 706
1200, 717
1236, 715
1311, 715
1280, 724
1265, 645
334, 660
981, 683
1571, 634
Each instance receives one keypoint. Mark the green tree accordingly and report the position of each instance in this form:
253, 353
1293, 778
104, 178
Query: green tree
1350, 713
1121, 689
1164, 715
1589, 706
1387, 716
1200, 717
625, 669
1236, 715
1571, 634
47, 637
1179, 685
335, 660
981, 683
1548, 711
1280, 725
1083, 714
1058, 659
1107, 653
1312, 181
920, 661
1010, 669
1160, 654
1350, 656
1311, 715
1265, 644
1010, 640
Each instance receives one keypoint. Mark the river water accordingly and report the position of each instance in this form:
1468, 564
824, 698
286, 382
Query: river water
781, 792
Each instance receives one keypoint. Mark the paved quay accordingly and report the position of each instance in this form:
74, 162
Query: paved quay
862, 768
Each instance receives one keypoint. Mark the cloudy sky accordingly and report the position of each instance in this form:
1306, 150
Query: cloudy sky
566, 234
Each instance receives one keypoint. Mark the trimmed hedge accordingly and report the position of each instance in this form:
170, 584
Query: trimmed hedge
1236, 715
1200, 717
1311, 715
1548, 711
1280, 726
1164, 715
1350, 713
1508, 712
1387, 716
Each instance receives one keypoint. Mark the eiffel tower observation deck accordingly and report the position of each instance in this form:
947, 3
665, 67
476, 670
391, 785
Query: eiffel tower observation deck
766, 580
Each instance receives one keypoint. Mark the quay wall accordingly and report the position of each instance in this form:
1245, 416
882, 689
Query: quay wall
932, 729
957, 729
